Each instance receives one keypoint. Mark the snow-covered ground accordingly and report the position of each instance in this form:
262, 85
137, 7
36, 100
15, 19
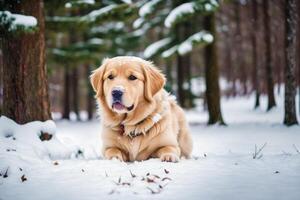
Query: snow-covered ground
70, 165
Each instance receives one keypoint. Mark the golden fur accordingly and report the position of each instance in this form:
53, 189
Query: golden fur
155, 127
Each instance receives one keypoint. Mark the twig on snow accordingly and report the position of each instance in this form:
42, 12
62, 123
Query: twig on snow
296, 149
257, 152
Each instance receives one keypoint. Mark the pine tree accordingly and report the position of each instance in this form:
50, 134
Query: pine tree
80, 34
24, 72
254, 55
177, 41
268, 65
290, 116
212, 75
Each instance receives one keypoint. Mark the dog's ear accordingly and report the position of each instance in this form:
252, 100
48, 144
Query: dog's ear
154, 80
97, 79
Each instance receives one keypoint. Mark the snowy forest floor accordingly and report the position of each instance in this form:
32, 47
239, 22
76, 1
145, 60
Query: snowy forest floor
70, 165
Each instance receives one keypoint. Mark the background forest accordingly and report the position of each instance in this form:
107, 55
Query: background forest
251, 47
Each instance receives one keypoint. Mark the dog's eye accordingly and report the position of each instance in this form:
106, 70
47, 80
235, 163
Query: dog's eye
110, 77
132, 77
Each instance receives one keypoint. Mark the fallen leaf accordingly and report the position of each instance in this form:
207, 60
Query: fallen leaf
23, 178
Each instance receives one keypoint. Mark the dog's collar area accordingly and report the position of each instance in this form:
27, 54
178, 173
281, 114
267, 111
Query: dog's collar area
122, 132
155, 119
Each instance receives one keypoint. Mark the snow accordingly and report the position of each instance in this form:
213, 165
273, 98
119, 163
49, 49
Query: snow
92, 16
18, 20
97, 41
187, 46
127, 1
70, 165
70, 4
183, 9
138, 22
152, 49
169, 52
59, 52
107, 27
148, 8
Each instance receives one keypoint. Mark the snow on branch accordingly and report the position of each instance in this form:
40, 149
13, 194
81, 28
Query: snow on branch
148, 7
169, 52
108, 27
154, 48
92, 16
202, 37
14, 22
79, 2
138, 22
185, 10
100, 15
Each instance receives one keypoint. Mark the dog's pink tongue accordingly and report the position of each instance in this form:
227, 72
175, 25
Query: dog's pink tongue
118, 106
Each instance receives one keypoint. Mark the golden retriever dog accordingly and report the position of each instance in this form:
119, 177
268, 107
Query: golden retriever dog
140, 120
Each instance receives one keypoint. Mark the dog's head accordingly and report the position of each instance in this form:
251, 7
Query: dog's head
121, 83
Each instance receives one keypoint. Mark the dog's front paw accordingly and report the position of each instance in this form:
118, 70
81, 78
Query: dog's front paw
118, 157
114, 153
169, 157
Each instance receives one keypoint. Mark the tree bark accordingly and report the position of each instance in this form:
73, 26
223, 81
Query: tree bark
290, 116
298, 51
212, 75
90, 94
180, 79
169, 74
1, 81
66, 102
255, 73
75, 92
25, 85
268, 67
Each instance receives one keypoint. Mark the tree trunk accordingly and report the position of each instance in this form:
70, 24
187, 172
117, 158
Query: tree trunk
180, 79
1, 81
298, 51
66, 103
255, 73
183, 71
169, 75
188, 68
189, 99
290, 116
25, 85
268, 67
212, 75
75, 92
90, 94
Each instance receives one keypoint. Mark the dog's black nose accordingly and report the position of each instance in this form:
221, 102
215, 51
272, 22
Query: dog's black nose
117, 94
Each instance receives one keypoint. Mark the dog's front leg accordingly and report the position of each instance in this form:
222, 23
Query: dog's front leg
114, 152
168, 153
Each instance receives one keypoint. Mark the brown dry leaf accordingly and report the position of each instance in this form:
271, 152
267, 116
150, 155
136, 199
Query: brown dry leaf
150, 180
23, 178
